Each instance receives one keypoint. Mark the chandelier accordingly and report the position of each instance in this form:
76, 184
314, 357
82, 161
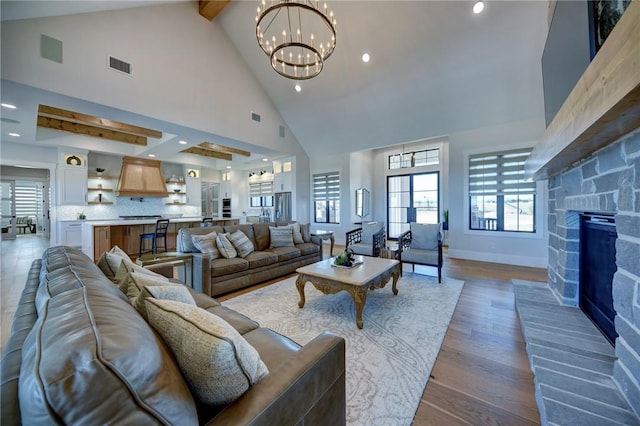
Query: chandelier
296, 35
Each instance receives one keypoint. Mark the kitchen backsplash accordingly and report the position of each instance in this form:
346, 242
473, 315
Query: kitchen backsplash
124, 206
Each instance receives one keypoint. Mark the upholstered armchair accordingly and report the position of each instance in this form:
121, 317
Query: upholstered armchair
422, 245
367, 240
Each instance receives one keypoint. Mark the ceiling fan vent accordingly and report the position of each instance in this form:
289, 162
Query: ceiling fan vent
119, 65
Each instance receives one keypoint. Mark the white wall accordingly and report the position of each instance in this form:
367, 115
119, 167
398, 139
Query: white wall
505, 247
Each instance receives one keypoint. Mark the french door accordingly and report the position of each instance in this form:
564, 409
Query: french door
412, 198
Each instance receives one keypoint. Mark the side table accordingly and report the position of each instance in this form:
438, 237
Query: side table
149, 259
325, 235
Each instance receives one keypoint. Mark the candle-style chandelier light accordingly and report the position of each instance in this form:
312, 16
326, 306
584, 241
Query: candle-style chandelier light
296, 35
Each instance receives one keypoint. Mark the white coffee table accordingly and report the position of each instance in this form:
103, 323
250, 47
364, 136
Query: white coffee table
373, 273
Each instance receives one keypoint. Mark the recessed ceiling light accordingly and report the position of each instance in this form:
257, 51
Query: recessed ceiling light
365, 57
265, 159
182, 142
478, 7
228, 167
15, 135
298, 88
10, 106
152, 155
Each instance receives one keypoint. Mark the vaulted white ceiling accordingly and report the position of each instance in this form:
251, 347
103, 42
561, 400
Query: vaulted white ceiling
436, 69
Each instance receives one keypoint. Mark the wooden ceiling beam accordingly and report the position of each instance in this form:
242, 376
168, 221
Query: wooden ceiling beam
98, 132
211, 8
222, 148
91, 120
208, 153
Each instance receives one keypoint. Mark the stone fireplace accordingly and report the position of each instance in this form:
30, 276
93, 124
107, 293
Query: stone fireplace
605, 182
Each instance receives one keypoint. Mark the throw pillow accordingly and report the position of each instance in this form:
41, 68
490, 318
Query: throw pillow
207, 244
242, 243
217, 362
122, 276
297, 235
281, 237
162, 291
138, 279
225, 246
109, 264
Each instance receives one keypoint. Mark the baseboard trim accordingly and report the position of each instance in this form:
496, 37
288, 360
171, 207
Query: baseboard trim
533, 262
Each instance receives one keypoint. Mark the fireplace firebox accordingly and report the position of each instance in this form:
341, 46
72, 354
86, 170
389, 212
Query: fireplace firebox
597, 266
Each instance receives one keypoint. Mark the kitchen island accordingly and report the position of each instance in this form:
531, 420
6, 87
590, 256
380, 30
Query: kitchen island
99, 236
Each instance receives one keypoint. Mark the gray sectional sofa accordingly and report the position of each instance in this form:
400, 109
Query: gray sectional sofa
218, 276
80, 353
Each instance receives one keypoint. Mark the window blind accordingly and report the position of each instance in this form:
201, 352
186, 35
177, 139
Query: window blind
499, 173
261, 189
326, 186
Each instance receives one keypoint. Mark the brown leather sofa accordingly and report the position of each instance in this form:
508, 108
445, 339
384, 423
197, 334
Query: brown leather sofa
79, 353
219, 276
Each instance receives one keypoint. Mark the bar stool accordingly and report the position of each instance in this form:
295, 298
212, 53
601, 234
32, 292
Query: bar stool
159, 233
206, 221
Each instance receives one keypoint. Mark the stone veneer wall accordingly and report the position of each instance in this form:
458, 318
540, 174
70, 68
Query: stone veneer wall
606, 182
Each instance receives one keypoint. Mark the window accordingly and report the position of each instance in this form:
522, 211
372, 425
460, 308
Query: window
412, 198
426, 157
500, 199
326, 197
261, 194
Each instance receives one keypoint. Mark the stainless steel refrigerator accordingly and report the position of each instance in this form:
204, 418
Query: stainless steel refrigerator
282, 205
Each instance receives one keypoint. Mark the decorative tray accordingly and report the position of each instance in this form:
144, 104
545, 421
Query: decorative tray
355, 263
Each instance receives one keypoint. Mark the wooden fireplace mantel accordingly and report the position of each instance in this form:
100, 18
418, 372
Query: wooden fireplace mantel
602, 107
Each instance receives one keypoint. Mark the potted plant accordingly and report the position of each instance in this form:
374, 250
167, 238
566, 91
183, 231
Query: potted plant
445, 222
81, 216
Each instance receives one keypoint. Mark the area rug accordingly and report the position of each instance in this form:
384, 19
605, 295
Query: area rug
389, 361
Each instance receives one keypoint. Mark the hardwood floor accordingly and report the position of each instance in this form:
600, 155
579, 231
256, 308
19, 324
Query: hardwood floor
481, 375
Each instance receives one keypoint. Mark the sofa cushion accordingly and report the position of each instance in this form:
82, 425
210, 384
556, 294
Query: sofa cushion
425, 257
72, 277
285, 253
273, 348
262, 235
308, 248
241, 243
363, 249
78, 367
240, 322
281, 237
216, 360
368, 229
297, 235
424, 235
207, 244
261, 258
225, 266
226, 248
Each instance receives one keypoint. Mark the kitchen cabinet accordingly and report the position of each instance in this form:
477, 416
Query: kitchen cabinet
193, 190
101, 240
70, 233
72, 185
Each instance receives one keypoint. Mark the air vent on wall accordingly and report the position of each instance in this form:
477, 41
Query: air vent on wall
255, 117
282, 131
119, 65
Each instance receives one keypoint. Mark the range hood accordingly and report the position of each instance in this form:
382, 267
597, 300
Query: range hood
140, 177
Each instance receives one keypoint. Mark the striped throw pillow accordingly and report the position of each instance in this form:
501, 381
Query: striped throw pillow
242, 243
207, 244
226, 248
281, 237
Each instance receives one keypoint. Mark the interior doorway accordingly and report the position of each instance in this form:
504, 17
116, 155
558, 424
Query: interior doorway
412, 198
26, 196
